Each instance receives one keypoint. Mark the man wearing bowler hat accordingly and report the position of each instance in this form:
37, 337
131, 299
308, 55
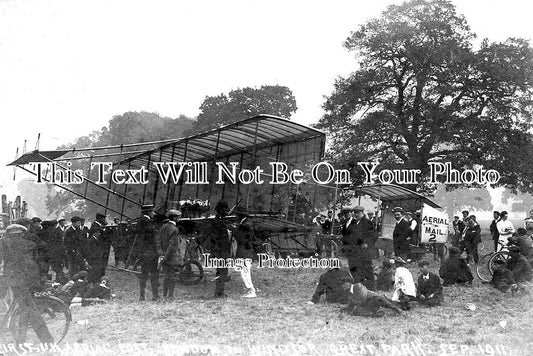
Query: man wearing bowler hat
401, 234
150, 247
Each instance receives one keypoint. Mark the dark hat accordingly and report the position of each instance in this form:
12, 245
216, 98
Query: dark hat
23, 221
423, 263
15, 229
147, 207
465, 212
35, 219
62, 219
75, 219
514, 249
345, 210
504, 213
100, 216
397, 209
496, 212
454, 251
221, 205
358, 208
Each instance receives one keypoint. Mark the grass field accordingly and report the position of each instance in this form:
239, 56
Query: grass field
279, 322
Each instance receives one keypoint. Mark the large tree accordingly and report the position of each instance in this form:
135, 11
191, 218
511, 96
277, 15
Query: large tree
424, 92
240, 104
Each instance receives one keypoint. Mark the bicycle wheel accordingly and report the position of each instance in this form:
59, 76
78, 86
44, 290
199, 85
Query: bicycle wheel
55, 314
498, 256
191, 273
482, 268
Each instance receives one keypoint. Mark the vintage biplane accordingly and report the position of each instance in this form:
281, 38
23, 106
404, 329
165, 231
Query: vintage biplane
247, 144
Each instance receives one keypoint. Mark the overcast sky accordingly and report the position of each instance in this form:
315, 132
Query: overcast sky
66, 67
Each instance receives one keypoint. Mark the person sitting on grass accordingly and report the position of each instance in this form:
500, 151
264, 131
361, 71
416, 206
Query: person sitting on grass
454, 269
404, 285
330, 284
502, 277
364, 302
524, 242
385, 278
520, 266
76, 287
429, 291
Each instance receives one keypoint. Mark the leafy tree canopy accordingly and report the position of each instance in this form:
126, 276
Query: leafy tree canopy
422, 92
240, 104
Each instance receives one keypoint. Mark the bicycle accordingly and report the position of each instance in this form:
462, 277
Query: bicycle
485, 266
192, 272
54, 311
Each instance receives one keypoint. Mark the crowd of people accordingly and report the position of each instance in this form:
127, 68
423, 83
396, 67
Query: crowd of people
365, 291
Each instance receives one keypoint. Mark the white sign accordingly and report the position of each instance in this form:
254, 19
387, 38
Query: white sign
434, 225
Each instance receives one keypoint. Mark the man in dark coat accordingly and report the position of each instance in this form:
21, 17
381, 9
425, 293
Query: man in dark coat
119, 242
330, 284
173, 247
149, 241
92, 249
454, 269
471, 239
357, 233
21, 274
221, 244
55, 253
401, 235
73, 241
429, 289
494, 229
519, 265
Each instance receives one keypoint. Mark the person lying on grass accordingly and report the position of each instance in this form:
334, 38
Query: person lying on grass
364, 302
429, 290
330, 284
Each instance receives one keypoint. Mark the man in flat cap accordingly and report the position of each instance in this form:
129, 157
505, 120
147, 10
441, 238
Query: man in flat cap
221, 244
173, 245
21, 274
401, 234
150, 247
73, 241
357, 235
